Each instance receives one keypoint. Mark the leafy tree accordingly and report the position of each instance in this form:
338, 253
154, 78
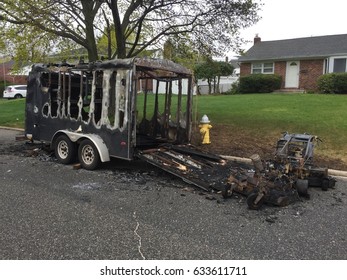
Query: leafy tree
223, 69
72, 20
181, 51
212, 71
131, 26
205, 71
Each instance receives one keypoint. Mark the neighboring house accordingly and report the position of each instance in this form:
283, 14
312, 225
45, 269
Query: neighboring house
11, 76
299, 61
235, 64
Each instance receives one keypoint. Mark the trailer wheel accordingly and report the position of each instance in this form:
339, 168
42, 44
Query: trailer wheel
65, 150
251, 199
88, 155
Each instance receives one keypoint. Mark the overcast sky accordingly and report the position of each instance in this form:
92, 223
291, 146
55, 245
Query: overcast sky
286, 19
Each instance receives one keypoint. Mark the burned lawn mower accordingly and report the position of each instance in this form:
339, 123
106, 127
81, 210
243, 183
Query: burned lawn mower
282, 180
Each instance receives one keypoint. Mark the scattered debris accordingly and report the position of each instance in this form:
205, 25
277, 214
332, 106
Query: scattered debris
271, 219
76, 166
87, 186
280, 181
21, 138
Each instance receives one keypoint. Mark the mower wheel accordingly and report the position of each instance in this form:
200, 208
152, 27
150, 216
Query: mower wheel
227, 191
251, 201
302, 186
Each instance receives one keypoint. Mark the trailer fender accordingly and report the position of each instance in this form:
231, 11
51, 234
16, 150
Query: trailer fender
77, 137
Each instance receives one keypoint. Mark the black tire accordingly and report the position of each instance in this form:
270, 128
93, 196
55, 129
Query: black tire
65, 150
227, 191
18, 96
251, 201
325, 184
302, 186
88, 155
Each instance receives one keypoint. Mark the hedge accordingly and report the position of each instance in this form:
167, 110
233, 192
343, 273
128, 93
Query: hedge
333, 83
259, 83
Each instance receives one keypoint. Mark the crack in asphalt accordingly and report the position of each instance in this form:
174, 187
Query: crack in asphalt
139, 246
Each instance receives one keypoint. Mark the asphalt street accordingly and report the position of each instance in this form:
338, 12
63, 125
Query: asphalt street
132, 211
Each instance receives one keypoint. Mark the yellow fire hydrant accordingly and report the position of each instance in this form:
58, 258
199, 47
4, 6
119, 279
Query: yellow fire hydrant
205, 130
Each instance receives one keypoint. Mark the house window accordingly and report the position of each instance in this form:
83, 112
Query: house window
339, 65
263, 68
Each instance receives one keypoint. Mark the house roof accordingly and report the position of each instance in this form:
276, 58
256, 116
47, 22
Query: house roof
300, 48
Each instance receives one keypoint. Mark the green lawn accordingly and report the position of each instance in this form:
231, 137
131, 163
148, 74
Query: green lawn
317, 114
257, 115
12, 112
272, 114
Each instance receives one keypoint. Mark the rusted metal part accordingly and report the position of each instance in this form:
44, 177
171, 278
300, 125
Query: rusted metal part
269, 186
295, 152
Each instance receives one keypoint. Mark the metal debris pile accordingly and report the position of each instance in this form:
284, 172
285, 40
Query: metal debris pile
282, 180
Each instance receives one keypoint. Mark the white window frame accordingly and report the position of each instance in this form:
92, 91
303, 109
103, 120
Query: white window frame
331, 61
263, 68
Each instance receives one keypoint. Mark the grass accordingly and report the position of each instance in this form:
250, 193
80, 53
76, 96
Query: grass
256, 115
268, 115
12, 112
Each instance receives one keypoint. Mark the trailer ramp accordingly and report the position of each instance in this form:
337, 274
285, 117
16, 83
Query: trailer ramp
204, 170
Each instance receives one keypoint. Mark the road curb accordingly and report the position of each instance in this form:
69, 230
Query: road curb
331, 172
12, 128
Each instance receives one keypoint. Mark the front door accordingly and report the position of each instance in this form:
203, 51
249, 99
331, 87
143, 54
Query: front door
292, 74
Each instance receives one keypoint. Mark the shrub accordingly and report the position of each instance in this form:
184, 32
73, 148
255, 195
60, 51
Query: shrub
333, 83
233, 90
259, 83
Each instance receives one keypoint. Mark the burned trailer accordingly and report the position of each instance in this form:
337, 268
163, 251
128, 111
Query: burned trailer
94, 110
125, 108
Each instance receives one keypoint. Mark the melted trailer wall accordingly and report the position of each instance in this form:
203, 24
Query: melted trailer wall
101, 99
91, 102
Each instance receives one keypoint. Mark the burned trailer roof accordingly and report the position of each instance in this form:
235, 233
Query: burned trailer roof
156, 67
162, 65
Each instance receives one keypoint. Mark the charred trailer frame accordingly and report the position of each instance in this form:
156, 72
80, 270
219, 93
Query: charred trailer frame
103, 109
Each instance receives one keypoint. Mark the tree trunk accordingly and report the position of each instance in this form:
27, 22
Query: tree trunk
89, 16
119, 32
218, 82
92, 55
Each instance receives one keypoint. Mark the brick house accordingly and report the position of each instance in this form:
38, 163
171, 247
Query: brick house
299, 61
7, 74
